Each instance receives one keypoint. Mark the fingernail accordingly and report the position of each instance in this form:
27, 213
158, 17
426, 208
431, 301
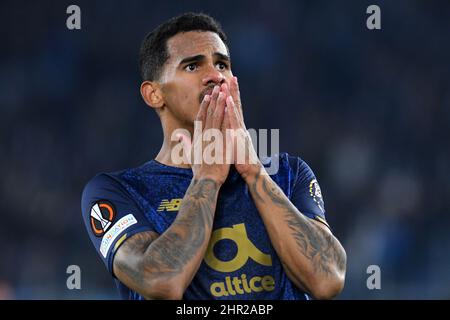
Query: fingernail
221, 94
216, 89
207, 98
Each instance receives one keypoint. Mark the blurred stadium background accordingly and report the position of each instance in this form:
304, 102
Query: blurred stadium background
368, 110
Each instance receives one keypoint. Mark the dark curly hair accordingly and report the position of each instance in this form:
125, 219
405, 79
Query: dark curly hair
153, 53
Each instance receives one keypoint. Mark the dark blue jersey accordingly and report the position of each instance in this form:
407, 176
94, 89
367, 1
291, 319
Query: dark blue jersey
240, 262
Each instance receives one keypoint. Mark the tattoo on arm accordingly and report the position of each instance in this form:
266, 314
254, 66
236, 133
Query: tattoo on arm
317, 245
176, 247
254, 189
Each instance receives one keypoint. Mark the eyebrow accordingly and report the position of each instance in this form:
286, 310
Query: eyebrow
200, 57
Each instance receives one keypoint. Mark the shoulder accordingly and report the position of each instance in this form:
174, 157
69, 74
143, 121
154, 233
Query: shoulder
119, 180
105, 185
102, 182
284, 163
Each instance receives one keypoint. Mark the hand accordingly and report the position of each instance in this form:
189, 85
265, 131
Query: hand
245, 158
211, 117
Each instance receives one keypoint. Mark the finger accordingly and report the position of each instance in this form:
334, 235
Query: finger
228, 134
226, 118
226, 122
212, 107
219, 111
225, 88
232, 113
201, 115
236, 94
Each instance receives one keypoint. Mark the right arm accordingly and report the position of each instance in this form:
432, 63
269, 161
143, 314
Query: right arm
162, 267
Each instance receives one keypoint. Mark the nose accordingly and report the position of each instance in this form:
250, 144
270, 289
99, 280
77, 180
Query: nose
213, 76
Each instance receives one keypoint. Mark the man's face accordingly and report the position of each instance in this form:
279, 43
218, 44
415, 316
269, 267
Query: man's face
197, 61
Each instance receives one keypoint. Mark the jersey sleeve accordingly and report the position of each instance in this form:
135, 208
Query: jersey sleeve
110, 216
306, 193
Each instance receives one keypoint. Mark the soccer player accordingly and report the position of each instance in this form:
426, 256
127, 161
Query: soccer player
201, 230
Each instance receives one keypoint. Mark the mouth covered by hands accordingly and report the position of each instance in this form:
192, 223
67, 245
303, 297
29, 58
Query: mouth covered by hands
220, 135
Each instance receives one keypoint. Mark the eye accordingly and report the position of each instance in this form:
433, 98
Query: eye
222, 66
191, 67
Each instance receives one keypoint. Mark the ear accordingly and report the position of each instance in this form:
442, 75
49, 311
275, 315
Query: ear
152, 94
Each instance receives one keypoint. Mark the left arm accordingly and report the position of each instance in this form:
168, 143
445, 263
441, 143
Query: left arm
311, 256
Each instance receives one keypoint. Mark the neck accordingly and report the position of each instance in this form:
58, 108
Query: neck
164, 155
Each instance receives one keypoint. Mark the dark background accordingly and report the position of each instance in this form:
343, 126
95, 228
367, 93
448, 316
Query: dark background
367, 110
